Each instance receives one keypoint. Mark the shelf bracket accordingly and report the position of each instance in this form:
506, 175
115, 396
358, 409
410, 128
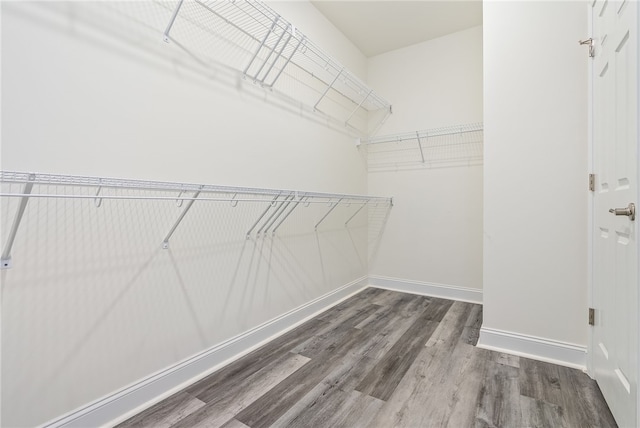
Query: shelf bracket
280, 215
283, 204
346, 223
173, 19
264, 40
346, 122
271, 204
420, 146
5, 260
275, 79
328, 212
273, 232
266, 60
278, 56
165, 242
97, 201
327, 89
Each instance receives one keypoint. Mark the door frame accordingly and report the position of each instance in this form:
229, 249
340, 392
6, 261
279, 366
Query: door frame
591, 195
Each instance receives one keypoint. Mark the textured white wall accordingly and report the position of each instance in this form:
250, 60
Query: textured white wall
435, 232
93, 303
535, 194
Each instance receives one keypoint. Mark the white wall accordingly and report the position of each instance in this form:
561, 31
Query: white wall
535, 186
92, 303
434, 234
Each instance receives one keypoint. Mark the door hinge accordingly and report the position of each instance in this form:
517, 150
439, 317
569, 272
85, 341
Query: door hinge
589, 42
592, 182
592, 316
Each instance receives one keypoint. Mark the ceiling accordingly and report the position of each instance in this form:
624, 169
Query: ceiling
378, 26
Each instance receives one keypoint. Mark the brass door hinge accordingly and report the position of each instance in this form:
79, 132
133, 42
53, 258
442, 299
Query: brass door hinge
592, 316
592, 182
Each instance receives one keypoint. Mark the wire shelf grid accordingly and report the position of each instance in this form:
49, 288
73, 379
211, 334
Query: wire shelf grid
252, 38
180, 190
276, 206
438, 147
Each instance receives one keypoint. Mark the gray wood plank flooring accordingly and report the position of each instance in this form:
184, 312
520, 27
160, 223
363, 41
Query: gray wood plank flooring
384, 359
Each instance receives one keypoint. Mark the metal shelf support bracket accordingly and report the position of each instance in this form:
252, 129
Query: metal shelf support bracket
420, 146
281, 207
346, 223
264, 40
271, 204
315, 106
165, 241
346, 122
300, 199
5, 260
328, 212
173, 19
275, 79
278, 56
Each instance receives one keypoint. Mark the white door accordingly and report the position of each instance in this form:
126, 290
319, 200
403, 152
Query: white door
614, 344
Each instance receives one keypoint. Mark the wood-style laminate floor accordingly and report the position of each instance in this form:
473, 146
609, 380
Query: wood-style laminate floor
385, 359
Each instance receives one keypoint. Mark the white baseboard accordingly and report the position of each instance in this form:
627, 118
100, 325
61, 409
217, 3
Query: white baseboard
536, 348
450, 292
117, 407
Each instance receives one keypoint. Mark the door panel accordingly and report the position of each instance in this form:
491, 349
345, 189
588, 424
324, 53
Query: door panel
615, 245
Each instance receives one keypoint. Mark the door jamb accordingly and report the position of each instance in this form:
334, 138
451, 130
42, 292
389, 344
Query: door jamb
590, 195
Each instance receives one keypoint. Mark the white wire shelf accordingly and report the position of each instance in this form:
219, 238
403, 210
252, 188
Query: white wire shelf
270, 51
279, 204
438, 147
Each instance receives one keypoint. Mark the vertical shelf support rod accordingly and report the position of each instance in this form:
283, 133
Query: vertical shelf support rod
420, 146
5, 262
165, 242
327, 89
346, 223
328, 212
173, 19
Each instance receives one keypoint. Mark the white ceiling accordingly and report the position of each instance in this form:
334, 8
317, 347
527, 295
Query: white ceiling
378, 26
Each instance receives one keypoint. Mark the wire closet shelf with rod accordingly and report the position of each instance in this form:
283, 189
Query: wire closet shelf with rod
272, 207
459, 145
269, 51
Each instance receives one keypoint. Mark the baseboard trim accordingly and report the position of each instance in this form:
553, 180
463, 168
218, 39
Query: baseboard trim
118, 407
450, 292
536, 348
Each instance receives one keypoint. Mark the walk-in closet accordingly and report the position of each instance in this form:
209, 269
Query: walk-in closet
239, 213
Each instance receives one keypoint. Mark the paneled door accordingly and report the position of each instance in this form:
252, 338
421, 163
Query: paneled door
614, 344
